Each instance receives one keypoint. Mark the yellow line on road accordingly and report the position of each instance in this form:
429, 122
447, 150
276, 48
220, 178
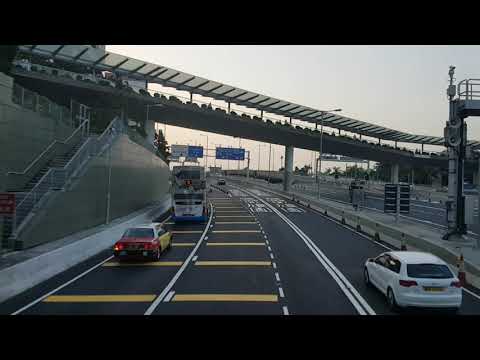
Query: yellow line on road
233, 263
183, 244
187, 232
153, 263
226, 297
235, 244
99, 298
234, 231
235, 222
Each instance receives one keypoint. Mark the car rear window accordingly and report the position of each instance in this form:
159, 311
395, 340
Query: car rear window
429, 271
139, 232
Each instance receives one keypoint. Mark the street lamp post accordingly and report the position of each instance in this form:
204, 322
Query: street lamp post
321, 149
206, 153
269, 157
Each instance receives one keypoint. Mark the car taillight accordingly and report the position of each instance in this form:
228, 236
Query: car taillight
456, 284
118, 246
408, 283
148, 246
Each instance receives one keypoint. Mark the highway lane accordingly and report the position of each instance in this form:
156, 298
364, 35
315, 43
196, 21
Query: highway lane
109, 287
347, 249
251, 261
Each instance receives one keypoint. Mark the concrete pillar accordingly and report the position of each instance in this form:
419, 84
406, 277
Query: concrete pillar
150, 130
287, 178
394, 173
476, 175
412, 177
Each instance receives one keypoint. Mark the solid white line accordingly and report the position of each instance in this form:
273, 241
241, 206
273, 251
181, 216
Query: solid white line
271, 256
169, 296
471, 293
274, 265
61, 287
280, 290
285, 310
348, 289
172, 282
277, 276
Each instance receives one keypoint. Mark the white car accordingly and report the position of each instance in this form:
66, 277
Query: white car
416, 279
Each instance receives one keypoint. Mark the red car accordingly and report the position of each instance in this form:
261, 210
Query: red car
144, 241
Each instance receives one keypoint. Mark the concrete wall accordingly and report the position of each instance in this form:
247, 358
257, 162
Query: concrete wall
138, 178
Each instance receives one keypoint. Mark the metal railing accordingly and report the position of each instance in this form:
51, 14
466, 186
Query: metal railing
57, 178
44, 106
469, 89
17, 180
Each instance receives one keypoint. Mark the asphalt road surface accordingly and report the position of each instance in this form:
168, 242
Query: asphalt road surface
258, 254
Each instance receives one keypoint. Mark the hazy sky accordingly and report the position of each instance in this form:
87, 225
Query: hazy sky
401, 87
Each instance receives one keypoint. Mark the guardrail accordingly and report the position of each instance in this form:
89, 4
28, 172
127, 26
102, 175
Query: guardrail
469, 89
33, 101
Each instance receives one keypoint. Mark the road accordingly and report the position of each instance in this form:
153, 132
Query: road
258, 254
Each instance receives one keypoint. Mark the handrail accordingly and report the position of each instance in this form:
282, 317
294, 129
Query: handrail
468, 93
64, 142
56, 177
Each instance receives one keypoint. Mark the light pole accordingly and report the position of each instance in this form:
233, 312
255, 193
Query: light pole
206, 154
321, 149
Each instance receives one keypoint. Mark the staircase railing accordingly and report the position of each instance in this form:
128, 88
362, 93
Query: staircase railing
57, 178
17, 180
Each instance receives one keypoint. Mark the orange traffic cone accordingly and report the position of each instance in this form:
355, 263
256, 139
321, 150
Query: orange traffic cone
461, 270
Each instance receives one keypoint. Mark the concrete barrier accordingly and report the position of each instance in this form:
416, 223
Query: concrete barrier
24, 275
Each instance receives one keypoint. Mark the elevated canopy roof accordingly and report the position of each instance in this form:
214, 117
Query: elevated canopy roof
153, 73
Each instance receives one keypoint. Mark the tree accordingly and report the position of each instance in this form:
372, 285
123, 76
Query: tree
162, 146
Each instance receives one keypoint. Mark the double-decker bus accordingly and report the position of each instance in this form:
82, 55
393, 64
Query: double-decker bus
189, 194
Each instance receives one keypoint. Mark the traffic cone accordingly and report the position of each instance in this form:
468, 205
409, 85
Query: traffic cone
403, 245
461, 270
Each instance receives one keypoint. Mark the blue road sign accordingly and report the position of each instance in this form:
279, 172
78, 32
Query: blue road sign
230, 153
195, 151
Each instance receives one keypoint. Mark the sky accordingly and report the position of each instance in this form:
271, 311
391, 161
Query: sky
400, 87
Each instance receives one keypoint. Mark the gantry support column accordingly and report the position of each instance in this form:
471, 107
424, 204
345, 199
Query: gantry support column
394, 173
287, 178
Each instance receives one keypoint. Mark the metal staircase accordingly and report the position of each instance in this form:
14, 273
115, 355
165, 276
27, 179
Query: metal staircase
55, 175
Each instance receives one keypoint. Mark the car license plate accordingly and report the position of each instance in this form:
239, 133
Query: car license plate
433, 289
123, 252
